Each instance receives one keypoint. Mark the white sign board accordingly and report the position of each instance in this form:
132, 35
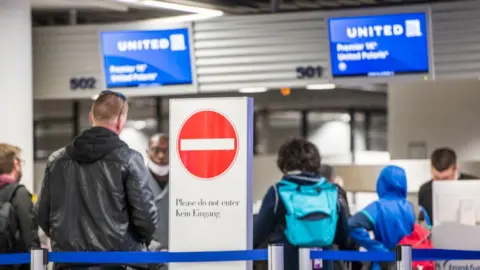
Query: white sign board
211, 159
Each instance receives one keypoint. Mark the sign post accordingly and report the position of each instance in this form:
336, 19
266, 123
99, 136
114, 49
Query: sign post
211, 158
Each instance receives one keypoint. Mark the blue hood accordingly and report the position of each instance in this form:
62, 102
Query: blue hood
392, 183
391, 218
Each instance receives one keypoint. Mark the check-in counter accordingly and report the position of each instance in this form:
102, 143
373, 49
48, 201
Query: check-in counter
358, 180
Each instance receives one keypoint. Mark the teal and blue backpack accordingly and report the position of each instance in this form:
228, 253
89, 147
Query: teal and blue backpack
312, 214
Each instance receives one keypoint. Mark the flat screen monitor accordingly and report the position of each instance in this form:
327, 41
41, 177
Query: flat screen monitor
379, 45
146, 58
456, 202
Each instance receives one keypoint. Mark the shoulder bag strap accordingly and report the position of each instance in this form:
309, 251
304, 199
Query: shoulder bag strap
14, 191
7, 192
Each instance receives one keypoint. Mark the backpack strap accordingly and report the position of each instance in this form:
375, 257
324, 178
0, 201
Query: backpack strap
8, 192
276, 199
277, 195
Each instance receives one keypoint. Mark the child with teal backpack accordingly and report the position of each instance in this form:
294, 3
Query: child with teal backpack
303, 209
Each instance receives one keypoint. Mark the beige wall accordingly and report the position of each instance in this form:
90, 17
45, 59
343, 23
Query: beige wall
441, 113
360, 179
356, 177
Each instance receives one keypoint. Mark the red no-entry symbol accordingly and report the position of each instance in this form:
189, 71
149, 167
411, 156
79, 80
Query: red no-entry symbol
207, 144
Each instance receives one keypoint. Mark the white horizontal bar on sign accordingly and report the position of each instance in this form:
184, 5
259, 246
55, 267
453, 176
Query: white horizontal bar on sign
207, 144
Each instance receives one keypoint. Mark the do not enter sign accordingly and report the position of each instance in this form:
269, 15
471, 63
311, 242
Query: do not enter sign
207, 144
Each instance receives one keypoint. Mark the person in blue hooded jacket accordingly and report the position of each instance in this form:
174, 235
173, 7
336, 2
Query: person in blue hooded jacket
391, 217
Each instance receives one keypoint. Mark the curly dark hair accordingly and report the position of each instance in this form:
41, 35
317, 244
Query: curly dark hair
299, 155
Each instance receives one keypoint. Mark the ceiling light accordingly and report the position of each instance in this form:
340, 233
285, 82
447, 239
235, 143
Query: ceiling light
253, 90
191, 17
324, 86
174, 6
180, 7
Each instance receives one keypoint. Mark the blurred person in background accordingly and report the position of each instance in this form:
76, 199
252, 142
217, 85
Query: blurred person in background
159, 168
18, 229
95, 194
328, 172
444, 166
390, 218
299, 160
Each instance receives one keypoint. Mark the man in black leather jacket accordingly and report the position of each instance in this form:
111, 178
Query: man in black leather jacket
95, 194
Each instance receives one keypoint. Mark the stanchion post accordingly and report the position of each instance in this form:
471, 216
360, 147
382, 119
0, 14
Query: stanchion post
403, 257
38, 259
275, 257
304, 260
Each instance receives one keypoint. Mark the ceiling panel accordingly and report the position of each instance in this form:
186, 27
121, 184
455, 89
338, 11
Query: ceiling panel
53, 5
48, 12
59, 12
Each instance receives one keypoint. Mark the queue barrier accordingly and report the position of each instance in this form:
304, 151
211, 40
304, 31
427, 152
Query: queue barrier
403, 256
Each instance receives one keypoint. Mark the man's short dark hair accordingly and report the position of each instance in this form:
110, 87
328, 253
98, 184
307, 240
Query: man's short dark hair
443, 159
299, 155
